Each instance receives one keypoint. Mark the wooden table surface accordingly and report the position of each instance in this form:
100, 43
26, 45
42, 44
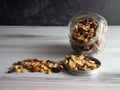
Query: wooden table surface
21, 42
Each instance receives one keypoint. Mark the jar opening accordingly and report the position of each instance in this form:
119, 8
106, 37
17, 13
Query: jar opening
85, 29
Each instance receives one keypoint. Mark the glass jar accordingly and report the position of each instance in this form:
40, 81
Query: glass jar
87, 33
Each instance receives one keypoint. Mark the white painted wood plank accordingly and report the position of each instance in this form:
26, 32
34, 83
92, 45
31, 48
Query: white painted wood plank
20, 42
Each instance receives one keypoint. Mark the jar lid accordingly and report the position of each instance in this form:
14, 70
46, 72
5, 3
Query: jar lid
85, 72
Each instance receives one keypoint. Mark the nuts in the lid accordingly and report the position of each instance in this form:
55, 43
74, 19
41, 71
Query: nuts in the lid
80, 63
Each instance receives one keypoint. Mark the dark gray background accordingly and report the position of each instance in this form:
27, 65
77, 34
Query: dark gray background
55, 12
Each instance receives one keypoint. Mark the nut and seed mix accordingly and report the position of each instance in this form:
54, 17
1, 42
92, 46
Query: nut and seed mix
85, 30
35, 65
80, 63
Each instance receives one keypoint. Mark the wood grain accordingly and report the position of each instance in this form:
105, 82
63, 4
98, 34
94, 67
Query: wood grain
18, 43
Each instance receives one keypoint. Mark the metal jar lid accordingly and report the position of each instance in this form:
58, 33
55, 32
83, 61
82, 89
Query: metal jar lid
83, 72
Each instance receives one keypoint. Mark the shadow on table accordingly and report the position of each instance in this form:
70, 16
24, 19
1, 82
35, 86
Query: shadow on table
56, 50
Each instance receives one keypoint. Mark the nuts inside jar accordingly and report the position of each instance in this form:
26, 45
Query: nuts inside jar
87, 49
85, 30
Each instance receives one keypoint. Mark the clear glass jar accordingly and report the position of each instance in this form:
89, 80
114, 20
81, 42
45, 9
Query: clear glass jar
87, 33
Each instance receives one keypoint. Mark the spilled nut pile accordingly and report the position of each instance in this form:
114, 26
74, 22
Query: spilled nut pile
35, 65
